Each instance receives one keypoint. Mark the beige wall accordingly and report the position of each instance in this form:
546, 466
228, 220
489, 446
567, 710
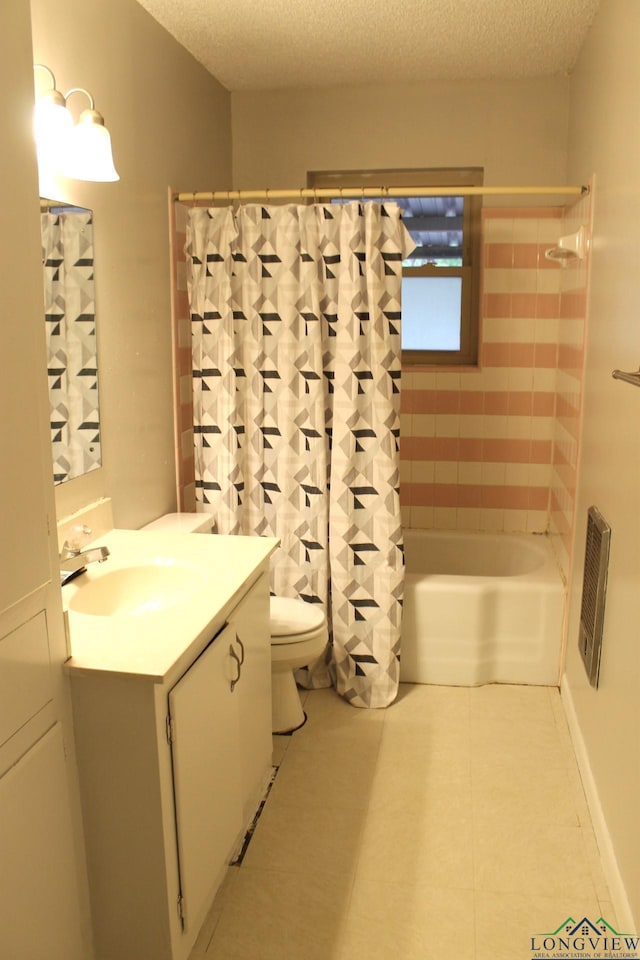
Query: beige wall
517, 130
605, 139
25, 543
170, 126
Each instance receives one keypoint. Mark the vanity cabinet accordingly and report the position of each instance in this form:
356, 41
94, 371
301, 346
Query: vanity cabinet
251, 629
171, 772
203, 731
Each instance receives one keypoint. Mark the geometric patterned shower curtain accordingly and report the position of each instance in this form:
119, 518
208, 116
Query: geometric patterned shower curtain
296, 374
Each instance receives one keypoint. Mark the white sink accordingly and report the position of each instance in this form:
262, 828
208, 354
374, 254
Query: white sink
157, 596
149, 587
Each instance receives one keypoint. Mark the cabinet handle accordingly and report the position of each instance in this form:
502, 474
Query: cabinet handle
235, 656
241, 645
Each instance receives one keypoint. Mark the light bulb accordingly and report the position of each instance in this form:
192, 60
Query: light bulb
89, 155
52, 124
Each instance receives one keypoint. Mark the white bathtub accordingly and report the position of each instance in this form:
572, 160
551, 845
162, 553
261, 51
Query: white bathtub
481, 608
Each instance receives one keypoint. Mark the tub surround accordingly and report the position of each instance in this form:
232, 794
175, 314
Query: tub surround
495, 448
572, 337
477, 444
490, 448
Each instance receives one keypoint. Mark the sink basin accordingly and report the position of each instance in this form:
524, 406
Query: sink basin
136, 590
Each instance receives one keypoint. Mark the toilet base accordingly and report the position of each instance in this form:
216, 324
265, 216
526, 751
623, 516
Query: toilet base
290, 650
286, 708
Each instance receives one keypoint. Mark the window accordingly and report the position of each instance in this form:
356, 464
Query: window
441, 278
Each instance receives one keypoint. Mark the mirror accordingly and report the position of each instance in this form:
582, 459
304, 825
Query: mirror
70, 317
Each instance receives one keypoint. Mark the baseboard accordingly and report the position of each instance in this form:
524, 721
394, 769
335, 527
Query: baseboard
617, 891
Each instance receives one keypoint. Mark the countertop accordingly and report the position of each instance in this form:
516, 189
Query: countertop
152, 642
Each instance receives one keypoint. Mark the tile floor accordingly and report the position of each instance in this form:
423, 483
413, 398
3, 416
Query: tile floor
451, 825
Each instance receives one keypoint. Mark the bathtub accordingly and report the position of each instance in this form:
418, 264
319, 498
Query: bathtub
481, 608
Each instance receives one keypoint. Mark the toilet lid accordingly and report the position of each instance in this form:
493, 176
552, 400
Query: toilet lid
289, 617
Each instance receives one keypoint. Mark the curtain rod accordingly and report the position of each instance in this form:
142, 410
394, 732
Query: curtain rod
361, 193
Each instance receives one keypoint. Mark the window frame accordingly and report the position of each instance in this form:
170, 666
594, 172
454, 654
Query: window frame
469, 272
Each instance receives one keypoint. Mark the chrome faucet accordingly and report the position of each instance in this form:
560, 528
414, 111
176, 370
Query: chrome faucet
73, 560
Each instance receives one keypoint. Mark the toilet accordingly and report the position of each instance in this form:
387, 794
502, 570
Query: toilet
183, 523
298, 630
299, 636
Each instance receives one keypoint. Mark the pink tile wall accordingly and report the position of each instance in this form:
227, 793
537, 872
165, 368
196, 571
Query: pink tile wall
571, 350
477, 444
182, 378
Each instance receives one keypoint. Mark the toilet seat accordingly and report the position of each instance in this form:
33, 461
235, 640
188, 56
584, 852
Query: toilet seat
293, 621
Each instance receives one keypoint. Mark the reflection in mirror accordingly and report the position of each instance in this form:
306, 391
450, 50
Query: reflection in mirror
70, 315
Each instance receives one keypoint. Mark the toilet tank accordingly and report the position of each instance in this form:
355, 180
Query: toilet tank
183, 523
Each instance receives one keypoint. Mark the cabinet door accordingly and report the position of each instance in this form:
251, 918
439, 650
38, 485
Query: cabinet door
204, 744
26, 683
38, 886
250, 620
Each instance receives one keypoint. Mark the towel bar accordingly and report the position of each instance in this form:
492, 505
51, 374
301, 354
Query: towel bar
633, 378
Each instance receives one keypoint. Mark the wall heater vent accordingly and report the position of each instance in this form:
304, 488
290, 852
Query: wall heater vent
594, 591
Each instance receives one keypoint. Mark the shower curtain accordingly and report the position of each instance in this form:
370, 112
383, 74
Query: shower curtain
296, 375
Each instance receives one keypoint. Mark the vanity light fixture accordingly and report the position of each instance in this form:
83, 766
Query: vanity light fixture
89, 155
81, 151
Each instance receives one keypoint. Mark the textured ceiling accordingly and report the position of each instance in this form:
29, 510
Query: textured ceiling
254, 44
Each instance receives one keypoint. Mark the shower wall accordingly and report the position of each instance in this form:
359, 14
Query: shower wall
487, 448
182, 364
495, 448
572, 335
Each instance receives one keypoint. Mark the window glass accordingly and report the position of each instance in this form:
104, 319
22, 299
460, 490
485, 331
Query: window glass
441, 277
431, 313
436, 225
